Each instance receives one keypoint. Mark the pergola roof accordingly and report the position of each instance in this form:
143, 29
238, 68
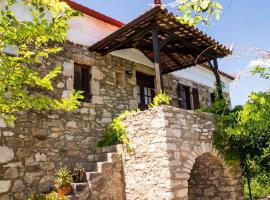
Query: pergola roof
180, 46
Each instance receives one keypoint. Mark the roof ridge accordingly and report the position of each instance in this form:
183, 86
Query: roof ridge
93, 13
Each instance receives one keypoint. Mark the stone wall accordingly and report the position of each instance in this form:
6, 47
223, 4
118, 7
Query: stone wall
168, 142
41, 142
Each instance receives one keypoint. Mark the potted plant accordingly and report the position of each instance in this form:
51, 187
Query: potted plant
78, 175
62, 181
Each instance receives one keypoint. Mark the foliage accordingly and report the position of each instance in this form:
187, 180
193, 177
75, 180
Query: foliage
195, 11
37, 197
63, 178
78, 175
258, 190
24, 48
161, 98
116, 132
55, 196
264, 72
50, 196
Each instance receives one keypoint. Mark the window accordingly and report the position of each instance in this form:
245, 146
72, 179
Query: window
82, 79
185, 97
184, 94
147, 95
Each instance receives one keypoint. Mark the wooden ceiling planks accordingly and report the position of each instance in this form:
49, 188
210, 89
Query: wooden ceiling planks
180, 45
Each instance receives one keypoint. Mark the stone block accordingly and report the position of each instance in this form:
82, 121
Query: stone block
7, 154
4, 186
8, 133
68, 69
97, 74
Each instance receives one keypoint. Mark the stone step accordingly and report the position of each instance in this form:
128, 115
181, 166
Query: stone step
73, 197
91, 175
88, 166
110, 149
78, 187
100, 157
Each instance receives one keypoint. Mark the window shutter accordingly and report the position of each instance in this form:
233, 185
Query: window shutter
82, 79
196, 99
182, 96
77, 77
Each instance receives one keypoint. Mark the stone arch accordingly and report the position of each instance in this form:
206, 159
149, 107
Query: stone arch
211, 179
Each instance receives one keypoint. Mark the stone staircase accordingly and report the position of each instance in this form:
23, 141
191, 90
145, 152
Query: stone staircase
105, 157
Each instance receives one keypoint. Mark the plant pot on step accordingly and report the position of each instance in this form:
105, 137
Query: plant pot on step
64, 191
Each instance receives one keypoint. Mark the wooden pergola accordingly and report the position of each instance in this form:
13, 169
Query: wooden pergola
170, 44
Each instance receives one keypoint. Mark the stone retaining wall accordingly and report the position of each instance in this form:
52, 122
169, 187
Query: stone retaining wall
168, 142
40, 142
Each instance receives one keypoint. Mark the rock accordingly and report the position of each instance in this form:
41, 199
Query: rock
4, 186
7, 154
41, 134
8, 133
11, 173
60, 85
69, 84
68, 69
18, 186
40, 157
72, 124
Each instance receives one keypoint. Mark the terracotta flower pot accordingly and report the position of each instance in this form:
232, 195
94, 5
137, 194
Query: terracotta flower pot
65, 190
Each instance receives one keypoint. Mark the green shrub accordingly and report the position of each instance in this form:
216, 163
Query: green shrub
116, 132
50, 196
161, 98
259, 190
219, 107
37, 197
63, 178
56, 196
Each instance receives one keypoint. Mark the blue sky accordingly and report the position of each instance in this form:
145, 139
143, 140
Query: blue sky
244, 25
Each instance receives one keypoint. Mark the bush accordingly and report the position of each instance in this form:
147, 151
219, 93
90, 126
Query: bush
116, 132
56, 196
161, 98
259, 190
50, 196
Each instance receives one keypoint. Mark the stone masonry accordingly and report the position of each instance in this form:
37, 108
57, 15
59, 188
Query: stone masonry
38, 143
174, 158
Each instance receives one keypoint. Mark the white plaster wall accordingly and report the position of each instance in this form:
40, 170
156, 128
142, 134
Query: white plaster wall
86, 30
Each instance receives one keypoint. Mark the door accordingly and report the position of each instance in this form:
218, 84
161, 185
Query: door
145, 90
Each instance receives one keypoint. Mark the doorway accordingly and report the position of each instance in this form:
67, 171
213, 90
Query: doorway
145, 90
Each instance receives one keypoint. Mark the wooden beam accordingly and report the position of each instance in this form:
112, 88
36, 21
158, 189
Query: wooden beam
164, 42
174, 59
156, 58
184, 42
127, 40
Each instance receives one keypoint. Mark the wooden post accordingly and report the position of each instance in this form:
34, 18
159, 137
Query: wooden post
157, 59
218, 79
157, 2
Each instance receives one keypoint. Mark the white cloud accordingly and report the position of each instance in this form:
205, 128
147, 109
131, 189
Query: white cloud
260, 61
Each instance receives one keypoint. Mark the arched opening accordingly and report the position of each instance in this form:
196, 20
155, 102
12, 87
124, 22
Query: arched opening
208, 180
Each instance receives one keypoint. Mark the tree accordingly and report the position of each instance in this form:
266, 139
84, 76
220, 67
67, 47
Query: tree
196, 11
22, 87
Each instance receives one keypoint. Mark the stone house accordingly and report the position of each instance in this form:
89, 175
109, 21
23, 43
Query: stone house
121, 67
